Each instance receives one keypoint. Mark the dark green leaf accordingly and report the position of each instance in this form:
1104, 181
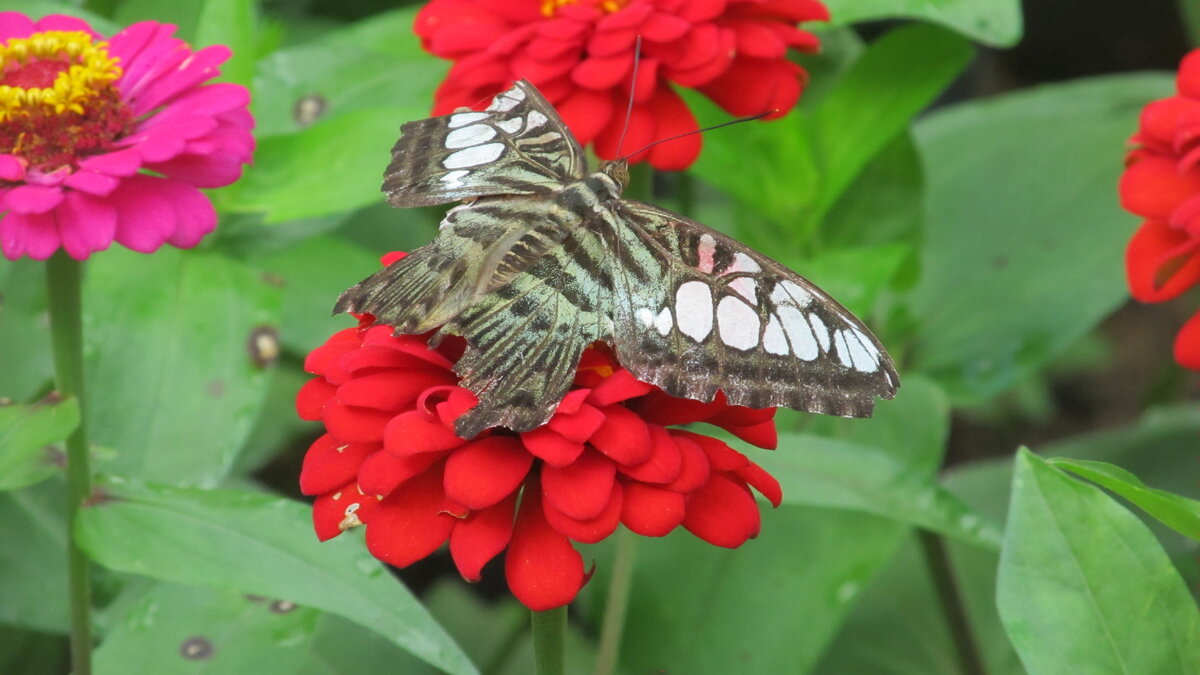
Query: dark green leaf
32, 653
342, 647
261, 545
172, 382
884, 205
26, 433
185, 629
994, 22
33, 566
1179, 513
855, 276
818, 471
1025, 237
1084, 587
185, 15
333, 166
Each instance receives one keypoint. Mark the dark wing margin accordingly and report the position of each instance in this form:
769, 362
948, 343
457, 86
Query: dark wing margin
725, 317
517, 146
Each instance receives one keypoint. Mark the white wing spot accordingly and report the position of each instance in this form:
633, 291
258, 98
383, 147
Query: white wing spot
694, 309
663, 322
843, 349
462, 119
454, 178
744, 263
798, 333
773, 339
738, 323
705, 252
788, 292
821, 330
645, 316
862, 352
507, 101
535, 119
468, 136
480, 154
745, 287
512, 125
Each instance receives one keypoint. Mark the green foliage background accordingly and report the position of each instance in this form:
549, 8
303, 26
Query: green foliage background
981, 241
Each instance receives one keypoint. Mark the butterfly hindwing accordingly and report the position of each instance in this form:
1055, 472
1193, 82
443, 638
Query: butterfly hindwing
723, 316
518, 145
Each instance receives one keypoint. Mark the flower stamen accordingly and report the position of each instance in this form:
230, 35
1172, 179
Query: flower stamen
550, 7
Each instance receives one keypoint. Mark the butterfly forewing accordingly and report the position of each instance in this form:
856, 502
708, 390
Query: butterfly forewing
719, 315
543, 259
518, 145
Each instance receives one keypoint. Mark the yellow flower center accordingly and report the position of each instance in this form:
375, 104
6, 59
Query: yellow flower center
550, 7
58, 100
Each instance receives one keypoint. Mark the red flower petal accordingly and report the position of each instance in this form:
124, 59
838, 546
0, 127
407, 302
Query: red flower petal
1188, 80
762, 481
335, 512
752, 86
580, 426
651, 511
723, 513
581, 490
382, 472
624, 437
674, 119
1161, 262
312, 397
458, 402
485, 471
763, 435
330, 464
663, 466
543, 569
720, 456
391, 390
411, 432
1187, 344
1152, 186
659, 407
409, 524
354, 425
591, 530
694, 469
481, 536
618, 387
549, 446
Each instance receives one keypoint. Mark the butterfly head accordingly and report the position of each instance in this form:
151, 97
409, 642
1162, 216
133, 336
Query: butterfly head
618, 170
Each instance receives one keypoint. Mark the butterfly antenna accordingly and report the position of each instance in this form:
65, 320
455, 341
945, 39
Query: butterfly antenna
637, 58
700, 131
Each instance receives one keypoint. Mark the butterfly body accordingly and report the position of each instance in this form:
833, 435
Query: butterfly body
543, 258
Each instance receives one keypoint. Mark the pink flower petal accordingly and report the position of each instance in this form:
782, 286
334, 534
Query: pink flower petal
194, 213
86, 224
145, 218
119, 163
11, 168
30, 199
34, 235
15, 25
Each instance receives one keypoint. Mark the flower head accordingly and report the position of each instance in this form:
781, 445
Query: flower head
580, 55
390, 460
111, 140
1161, 183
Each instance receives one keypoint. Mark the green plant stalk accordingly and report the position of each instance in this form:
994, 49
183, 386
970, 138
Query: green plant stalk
937, 558
63, 275
549, 641
616, 606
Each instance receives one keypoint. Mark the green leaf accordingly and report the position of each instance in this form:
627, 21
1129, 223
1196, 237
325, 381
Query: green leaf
26, 432
1025, 237
333, 166
884, 205
1179, 513
771, 606
993, 22
33, 568
32, 653
171, 381
855, 276
184, 629
818, 471
897, 77
1084, 587
24, 329
262, 545
231, 23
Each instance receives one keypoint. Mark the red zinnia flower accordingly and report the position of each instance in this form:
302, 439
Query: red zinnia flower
580, 54
1162, 184
103, 141
390, 460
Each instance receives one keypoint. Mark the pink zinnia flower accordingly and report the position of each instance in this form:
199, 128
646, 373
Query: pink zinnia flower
111, 140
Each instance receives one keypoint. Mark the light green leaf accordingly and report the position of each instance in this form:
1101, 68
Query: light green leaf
1084, 587
185, 629
993, 22
1025, 237
24, 329
262, 545
818, 471
855, 276
1179, 513
33, 567
26, 432
231, 23
172, 382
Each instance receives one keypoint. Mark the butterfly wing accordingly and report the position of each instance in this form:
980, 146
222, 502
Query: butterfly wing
696, 311
517, 146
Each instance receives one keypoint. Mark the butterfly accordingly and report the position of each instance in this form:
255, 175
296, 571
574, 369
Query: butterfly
542, 258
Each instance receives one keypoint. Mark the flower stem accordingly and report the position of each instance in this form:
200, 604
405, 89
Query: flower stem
942, 572
549, 637
66, 331
617, 604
